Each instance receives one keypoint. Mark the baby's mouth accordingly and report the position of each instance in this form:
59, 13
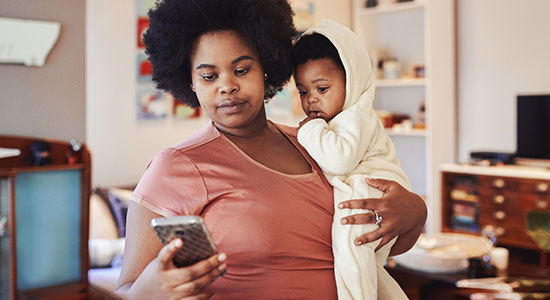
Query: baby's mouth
314, 114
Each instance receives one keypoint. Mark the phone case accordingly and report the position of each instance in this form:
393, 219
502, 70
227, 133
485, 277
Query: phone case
197, 243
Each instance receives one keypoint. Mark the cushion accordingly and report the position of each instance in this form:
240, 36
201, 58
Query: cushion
103, 251
119, 200
102, 222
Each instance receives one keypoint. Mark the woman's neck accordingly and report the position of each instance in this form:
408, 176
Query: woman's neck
256, 128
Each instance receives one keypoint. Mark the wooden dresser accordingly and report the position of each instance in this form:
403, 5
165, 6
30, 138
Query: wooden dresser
493, 200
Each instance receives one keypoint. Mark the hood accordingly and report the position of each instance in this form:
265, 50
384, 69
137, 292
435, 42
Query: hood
356, 61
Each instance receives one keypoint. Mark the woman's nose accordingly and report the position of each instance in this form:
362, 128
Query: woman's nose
228, 86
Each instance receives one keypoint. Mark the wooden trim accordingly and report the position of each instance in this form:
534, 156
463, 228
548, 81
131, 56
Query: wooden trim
13, 254
76, 290
85, 191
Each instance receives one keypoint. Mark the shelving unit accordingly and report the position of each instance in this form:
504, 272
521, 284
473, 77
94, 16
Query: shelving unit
420, 32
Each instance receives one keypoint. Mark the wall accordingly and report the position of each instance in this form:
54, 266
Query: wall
503, 48
48, 101
122, 146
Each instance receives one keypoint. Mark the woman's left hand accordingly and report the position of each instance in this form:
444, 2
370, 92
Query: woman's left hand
403, 214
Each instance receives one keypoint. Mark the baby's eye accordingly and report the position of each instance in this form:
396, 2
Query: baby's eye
322, 89
242, 71
209, 77
302, 93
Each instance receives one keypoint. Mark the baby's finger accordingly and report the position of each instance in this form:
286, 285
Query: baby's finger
167, 253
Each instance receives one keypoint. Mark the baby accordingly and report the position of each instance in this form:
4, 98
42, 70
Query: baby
333, 74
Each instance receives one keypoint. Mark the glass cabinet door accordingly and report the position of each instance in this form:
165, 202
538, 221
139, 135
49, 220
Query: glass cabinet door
5, 195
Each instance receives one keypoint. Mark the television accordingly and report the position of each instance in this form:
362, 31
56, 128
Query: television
533, 130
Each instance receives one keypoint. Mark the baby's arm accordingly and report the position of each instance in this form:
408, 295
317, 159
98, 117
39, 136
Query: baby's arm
339, 147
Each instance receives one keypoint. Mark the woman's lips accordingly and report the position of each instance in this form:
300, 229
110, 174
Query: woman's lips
231, 106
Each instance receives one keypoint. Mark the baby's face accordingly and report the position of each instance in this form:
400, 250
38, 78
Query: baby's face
322, 88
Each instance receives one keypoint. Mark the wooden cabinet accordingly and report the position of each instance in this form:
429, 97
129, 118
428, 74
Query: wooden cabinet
493, 200
44, 222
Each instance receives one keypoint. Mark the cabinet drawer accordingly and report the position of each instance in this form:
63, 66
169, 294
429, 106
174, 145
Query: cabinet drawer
500, 183
534, 201
538, 187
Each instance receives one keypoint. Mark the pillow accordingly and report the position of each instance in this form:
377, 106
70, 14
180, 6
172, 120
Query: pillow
103, 251
118, 201
102, 222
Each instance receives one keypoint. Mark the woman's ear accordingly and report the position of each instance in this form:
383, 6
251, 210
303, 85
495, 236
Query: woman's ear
192, 86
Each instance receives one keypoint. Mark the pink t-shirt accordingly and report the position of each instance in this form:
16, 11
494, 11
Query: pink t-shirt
275, 228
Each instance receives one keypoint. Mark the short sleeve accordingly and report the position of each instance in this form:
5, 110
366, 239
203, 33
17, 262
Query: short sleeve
172, 185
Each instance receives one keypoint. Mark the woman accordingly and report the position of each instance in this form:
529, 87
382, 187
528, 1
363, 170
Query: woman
267, 205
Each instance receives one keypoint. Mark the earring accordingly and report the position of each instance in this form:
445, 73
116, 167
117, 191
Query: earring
265, 76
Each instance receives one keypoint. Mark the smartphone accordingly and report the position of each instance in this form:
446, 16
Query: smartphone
197, 242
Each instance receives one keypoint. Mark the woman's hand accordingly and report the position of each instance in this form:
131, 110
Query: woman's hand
188, 282
404, 214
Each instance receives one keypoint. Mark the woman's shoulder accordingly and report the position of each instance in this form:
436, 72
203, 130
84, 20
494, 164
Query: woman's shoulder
199, 139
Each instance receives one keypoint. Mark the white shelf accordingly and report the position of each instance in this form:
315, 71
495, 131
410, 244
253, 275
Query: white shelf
400, 82
391, 8
411, 132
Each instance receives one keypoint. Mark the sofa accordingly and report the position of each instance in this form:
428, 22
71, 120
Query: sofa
108, 207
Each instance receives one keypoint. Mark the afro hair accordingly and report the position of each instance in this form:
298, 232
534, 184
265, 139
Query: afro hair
314, 46
175, 25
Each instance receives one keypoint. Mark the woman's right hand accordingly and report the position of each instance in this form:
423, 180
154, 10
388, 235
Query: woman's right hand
186, 282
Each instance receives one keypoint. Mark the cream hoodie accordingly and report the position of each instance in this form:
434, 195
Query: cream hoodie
349, 148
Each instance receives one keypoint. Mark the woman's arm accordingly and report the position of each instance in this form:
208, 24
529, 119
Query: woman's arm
403, 214
147, 268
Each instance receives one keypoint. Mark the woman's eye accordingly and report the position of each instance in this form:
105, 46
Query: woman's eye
209, 77
242, 71
322, 89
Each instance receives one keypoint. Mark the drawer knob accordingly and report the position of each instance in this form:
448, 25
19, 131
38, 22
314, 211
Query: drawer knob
499, 231
541, 204
498, 183
499, 199
542, 187
499, 215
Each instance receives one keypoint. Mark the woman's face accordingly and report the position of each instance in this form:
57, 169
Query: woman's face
228, 79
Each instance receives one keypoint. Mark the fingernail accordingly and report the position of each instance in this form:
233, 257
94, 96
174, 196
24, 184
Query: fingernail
340, 205
222, 267
222, 257
358, 242
344, 221
178, 243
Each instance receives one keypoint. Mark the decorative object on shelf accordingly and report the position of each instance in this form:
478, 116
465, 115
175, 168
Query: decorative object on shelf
421, 117
40, 151
391, 68
444, 252
371, 3
419, 71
